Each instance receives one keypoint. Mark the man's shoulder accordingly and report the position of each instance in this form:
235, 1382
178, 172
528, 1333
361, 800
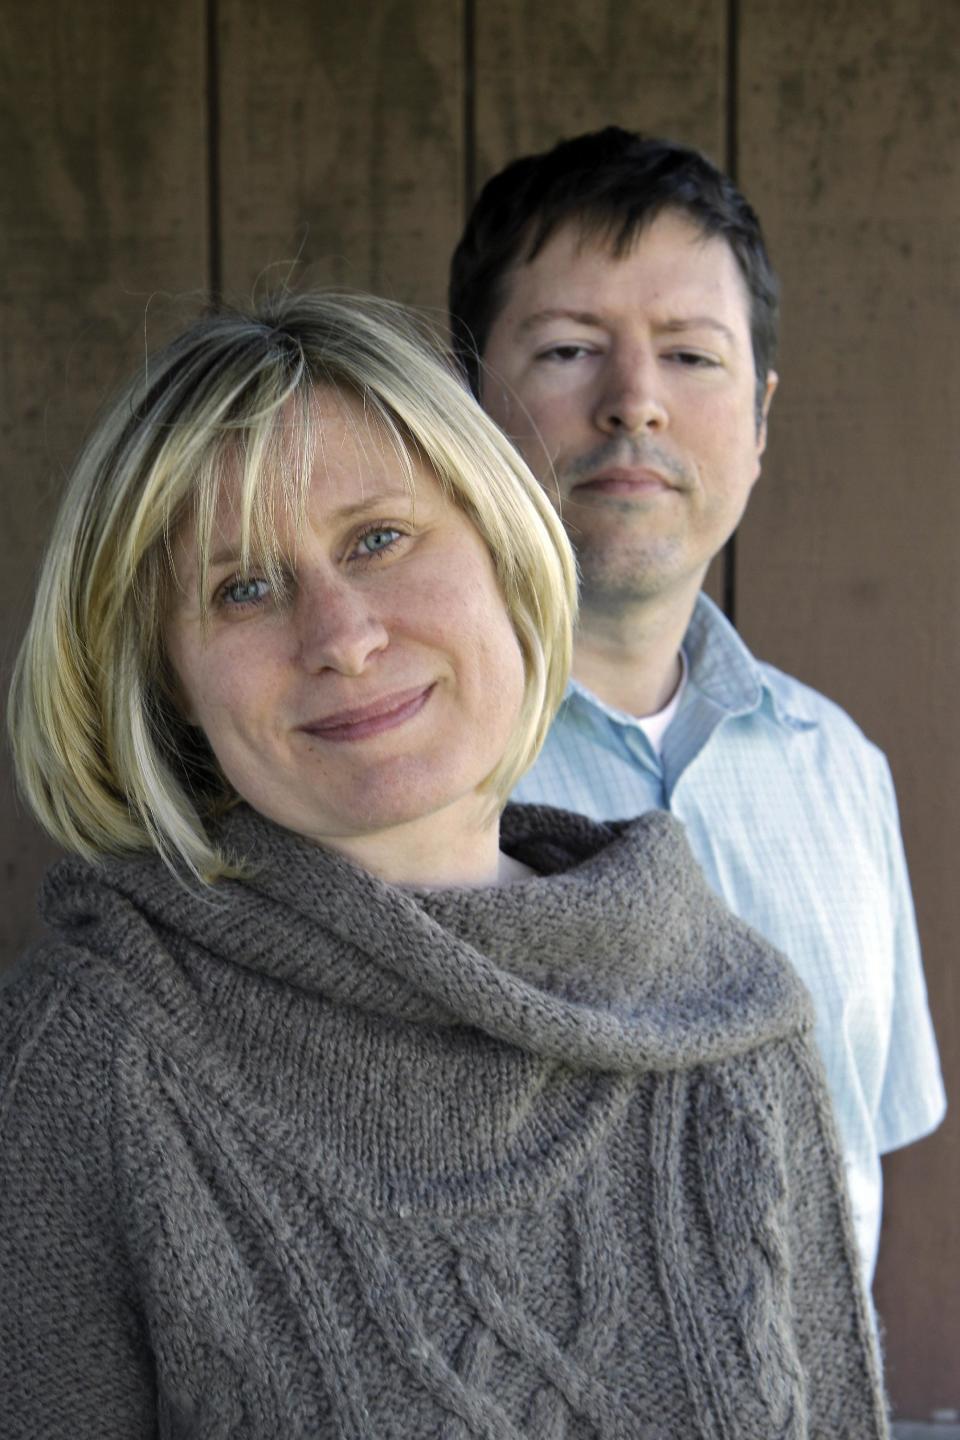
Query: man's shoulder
798, 704
724, 666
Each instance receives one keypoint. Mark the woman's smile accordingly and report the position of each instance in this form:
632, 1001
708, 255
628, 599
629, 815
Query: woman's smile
364, 721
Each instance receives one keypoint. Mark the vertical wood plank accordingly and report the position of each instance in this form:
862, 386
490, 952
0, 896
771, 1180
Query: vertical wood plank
102, 206
342, 150
548, 71
545, 72
847, 561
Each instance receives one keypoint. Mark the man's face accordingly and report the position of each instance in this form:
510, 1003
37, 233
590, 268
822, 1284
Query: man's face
628, 386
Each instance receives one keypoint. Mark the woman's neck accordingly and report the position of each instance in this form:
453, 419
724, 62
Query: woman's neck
457, 847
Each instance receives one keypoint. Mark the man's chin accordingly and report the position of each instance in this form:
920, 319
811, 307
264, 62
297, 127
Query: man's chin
610, 581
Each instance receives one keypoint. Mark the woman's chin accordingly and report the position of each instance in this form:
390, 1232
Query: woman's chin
377, 816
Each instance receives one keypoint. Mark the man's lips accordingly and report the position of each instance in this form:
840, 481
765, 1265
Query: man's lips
379, 715
624, 481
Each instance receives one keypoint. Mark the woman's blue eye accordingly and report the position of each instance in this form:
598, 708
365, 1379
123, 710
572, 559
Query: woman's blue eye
375, 540
244, 592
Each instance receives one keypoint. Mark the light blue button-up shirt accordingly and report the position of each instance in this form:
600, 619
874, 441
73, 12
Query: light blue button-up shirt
791, 812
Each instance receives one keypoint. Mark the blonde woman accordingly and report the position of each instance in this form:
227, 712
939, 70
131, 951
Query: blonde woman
341, 1101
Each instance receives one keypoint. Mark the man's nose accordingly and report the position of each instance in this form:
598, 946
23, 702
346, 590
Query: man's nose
631, 399
338, 626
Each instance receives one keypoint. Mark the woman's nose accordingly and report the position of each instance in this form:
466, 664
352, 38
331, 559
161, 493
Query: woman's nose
338, 627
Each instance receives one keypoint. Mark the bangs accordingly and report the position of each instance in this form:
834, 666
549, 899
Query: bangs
261, 466
260, 471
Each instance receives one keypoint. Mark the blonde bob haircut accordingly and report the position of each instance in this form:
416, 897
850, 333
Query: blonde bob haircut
103, 755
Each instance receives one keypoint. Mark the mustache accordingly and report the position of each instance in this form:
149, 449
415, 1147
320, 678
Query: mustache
629, 453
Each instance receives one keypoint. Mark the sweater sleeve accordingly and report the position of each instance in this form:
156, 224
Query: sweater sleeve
833, 1328
74, 1362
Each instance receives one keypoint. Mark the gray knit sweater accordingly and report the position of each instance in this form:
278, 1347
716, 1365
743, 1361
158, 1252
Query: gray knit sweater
313, 1156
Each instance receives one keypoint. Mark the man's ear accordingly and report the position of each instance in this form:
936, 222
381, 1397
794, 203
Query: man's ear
773, 380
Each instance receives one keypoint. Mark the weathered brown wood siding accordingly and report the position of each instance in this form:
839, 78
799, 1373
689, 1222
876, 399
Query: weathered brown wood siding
148, 155
341, 144
847, 567
104, 212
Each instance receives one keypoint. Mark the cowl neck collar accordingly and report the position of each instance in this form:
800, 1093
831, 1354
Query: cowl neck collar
614, 957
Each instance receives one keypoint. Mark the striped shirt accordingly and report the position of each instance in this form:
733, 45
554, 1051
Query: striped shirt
791, 812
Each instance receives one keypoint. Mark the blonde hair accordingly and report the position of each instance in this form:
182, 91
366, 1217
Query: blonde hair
102, 754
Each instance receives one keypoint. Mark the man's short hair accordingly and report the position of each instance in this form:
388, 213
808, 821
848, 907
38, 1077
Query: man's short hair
613, 183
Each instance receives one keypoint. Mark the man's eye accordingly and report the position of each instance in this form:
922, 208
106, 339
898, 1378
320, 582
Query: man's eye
695, 359
564, 353
243, 590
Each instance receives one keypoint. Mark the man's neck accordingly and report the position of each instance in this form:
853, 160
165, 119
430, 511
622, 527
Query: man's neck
631, 659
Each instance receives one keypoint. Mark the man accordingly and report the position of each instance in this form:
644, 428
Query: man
614, 306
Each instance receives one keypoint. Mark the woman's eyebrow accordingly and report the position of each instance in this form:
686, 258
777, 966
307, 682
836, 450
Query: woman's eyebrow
230, 552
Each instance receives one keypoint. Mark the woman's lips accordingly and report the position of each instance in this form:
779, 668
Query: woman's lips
366, 720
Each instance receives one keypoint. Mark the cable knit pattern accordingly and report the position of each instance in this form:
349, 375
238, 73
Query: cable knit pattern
314, 1156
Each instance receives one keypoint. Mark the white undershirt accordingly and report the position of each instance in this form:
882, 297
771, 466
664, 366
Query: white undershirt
655, 726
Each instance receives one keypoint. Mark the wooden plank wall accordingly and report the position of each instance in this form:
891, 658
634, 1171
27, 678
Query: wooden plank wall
227, 144
103, 216
341, 143
847, 574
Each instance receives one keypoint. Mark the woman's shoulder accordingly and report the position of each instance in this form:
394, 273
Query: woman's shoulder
68, 1000
49, 1005
57, 1067
715, 986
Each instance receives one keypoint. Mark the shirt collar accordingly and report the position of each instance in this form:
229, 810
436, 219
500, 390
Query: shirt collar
726, 672
720, 667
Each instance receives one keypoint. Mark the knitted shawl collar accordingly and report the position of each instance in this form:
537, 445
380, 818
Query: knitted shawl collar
616, 956
424, 1051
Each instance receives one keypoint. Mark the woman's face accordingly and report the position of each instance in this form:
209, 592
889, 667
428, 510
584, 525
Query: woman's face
364, 709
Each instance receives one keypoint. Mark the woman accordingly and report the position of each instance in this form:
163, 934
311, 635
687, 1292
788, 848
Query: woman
338, 1104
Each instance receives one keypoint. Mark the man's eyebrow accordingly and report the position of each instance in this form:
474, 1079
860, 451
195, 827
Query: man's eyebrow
591, 318
543, 317
696, 322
